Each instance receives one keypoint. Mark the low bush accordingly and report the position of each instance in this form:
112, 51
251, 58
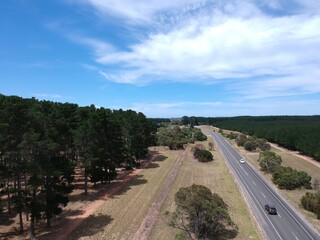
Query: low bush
203, 155
288, 178
311, 202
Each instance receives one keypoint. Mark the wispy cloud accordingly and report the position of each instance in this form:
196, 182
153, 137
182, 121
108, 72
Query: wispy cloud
46, 95
227, 108
216, 41
141, 11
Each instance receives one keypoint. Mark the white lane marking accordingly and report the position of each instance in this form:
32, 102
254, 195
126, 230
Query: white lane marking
295, 236
254, 183
246, 172
279, 215
263, 195
253, 195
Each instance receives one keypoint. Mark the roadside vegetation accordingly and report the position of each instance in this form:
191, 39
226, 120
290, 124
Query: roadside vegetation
294, 178
176, 137
200, 214
215, 176
202, 154
269, 162
284, 177
311, 201
298, 133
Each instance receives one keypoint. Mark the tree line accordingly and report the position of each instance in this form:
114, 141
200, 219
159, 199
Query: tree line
298, 133
42, 142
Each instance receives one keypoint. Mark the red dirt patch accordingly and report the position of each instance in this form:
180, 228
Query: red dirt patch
79, 208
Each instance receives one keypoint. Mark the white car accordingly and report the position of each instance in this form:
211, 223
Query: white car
242, 160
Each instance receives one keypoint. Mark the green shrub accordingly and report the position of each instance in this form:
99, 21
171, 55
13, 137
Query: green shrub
250, 146
269, 161
288, 178
311, 202
203, 155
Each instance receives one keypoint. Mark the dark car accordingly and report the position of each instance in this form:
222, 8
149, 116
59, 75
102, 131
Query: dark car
270, 209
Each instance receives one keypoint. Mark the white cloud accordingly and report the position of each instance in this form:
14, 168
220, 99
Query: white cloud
101, 48
141, 11
217, 41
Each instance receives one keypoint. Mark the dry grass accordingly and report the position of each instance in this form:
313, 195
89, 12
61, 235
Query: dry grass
121, 216
214, 175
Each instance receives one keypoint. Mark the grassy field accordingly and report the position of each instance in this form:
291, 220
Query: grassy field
214, 175
121, 216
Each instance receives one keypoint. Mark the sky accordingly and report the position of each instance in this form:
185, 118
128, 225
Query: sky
165, 58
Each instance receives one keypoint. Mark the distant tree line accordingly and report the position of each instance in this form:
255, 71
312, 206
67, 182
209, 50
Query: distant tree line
41, 143
299, 133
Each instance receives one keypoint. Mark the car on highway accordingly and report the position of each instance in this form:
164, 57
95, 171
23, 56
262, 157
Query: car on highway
270, 208
241, 160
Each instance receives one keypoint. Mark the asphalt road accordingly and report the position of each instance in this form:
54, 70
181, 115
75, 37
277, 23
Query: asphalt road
287, 224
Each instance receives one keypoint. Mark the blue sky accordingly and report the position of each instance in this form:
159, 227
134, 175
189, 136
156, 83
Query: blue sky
165, 58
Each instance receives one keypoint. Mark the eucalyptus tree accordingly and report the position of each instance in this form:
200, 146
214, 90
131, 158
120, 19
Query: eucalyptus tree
269, 161
200, 214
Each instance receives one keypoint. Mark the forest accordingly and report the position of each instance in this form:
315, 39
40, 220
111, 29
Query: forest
298, 133
42, 142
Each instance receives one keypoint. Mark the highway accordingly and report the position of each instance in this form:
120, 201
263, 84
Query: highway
287, 224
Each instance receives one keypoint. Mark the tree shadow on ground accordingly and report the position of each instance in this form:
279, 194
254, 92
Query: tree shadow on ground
226, 234
153, 165
160, 158
8, 225
88, 228
12, 233
135, 181
7, 219
70, 213
100, 190
94, 192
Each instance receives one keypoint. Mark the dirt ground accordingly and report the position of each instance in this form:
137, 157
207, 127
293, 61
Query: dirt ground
79, 208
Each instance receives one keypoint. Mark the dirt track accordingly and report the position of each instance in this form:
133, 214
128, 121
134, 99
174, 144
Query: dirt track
149, 220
